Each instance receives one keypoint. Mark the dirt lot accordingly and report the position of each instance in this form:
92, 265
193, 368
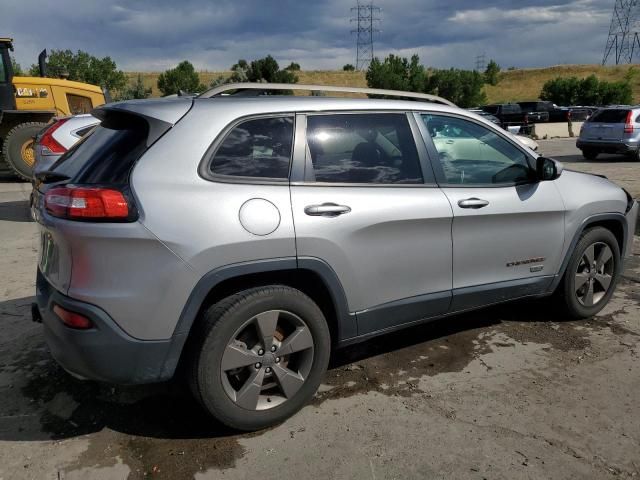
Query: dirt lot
511, 392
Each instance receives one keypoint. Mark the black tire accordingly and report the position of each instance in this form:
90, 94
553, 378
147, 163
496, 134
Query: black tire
217, 330
568, 288
13, 144
590, 153
634, 155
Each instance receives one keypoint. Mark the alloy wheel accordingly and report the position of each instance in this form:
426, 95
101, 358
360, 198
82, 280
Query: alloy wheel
594, 274
267, 360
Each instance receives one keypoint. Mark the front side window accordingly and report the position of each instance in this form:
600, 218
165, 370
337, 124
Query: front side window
257, 148
472, 154
376, 148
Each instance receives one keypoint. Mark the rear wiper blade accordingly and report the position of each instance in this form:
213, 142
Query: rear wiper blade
48, 176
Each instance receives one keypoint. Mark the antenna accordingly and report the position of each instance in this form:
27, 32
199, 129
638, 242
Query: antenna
365, 16
481, 62
624, 31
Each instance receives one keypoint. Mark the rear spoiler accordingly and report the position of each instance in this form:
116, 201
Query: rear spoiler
159, 114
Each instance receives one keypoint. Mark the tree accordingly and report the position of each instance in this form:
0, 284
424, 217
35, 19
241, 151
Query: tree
293, 67
181, 78
588, 91
84, 67
135, 90
462, 87
491, 73
261, 70
397, 73
348, 67
15, 66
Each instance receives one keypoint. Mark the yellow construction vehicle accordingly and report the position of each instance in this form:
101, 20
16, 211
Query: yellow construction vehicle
28, 103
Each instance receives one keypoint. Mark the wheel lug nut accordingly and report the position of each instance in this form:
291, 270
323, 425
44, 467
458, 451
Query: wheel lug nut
268, 369
273, 348
260, 352
258, 365
277, 359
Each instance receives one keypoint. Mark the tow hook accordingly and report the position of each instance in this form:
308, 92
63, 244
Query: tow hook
35, 313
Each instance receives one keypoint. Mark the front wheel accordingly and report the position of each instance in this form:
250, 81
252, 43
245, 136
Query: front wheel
592, 273
260, 356
19, 148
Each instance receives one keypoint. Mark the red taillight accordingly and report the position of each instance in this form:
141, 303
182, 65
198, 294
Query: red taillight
628, 126
49, 143
86, 203
72, 319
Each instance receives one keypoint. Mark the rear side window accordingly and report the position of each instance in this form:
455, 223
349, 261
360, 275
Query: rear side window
106, 155
257, 148
610, 116
78, 104
373, 148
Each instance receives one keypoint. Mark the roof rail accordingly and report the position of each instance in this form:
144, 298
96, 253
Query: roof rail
323, 88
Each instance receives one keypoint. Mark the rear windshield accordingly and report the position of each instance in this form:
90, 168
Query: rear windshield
107, 154
610, 116
493, 109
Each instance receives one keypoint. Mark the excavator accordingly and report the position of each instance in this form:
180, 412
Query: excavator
28, 103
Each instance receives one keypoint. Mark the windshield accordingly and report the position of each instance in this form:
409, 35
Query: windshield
105, 155
610, 116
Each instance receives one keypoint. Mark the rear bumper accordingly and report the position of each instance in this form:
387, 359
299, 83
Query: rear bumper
105, 352
607, 147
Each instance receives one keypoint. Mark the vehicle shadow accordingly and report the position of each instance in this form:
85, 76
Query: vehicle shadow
17, 211
40, 401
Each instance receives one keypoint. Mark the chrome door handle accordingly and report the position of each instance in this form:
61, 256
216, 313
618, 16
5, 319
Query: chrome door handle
326, 210
473, 203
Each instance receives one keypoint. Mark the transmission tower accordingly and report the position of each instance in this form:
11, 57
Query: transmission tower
481, 62
366, 18
624, 32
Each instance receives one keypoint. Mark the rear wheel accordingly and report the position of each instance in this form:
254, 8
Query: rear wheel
19, 148
634, 155
592, 273
260, 356
590, 153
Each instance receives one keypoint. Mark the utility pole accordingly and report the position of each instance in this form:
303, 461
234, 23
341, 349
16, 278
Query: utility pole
481, 62
366, 18
623, 40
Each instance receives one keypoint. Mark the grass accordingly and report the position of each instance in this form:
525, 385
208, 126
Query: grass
514, 85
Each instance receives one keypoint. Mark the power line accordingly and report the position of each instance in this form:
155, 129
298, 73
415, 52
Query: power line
365, 16
624, 31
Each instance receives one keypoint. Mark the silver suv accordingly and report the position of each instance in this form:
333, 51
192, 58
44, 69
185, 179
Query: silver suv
244, 237
611, 130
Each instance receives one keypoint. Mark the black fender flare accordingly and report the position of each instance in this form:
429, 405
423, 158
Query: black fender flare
346, 321
586, 223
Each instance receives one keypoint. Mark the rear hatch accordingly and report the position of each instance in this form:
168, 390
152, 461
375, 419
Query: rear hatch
99, 165
606, 125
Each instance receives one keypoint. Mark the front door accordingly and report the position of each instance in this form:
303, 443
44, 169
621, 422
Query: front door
367, 208
508, 228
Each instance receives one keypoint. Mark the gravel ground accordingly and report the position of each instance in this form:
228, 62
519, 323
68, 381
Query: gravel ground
510, 392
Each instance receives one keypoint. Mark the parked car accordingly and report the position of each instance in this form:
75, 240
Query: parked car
555, 113
526, 141
245, 238
511, 114
58, 137
611, 130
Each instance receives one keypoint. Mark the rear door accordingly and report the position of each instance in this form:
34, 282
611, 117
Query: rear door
508, 229
365, 203
606, 125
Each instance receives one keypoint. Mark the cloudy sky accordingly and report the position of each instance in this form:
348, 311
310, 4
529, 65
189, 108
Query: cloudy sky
152, 35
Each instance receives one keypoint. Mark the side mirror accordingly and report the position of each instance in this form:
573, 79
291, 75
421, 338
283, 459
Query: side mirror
547, 169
